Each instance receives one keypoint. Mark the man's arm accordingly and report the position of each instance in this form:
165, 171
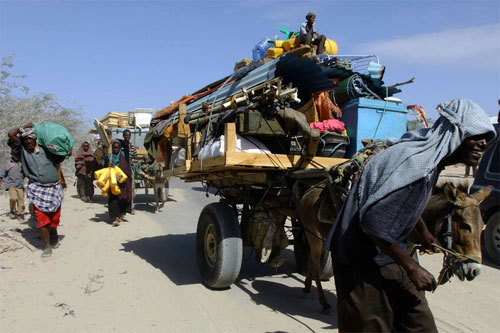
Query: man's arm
425, 238
422, 279
13, 132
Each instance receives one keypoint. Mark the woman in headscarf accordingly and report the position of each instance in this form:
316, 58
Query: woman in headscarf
117, 204
85, 164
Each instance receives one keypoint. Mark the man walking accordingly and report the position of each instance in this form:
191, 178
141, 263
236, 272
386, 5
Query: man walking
130, 152
379, 286
44, 189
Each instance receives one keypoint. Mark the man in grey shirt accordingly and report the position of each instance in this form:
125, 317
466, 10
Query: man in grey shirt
44, 188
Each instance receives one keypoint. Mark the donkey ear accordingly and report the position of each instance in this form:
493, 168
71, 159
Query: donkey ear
453, 194
482, 193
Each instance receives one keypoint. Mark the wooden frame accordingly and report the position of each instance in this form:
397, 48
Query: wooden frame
198, 170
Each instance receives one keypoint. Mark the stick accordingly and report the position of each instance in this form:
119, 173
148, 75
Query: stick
16, 240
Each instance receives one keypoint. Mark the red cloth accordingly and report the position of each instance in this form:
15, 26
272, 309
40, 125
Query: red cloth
330, 125
43, 219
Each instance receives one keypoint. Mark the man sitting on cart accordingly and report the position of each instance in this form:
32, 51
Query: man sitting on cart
308, 32
379, 286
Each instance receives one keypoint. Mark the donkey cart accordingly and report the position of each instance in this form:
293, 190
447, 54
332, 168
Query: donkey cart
258, 194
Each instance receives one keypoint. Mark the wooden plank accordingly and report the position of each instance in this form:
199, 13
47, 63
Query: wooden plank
255, 161
183, 129
208, 163
189, 147
279, 161
197, 139
229, 137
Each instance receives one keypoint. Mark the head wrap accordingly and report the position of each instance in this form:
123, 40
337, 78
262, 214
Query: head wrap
310, 14
27, 133
419, 152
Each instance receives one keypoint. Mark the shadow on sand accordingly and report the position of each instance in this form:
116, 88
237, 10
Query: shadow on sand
175, 256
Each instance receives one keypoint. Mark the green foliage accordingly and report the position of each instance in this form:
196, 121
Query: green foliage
412, 125
18, 107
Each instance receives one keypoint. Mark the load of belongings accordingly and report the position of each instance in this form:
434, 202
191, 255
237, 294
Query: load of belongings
316, 86
55, 138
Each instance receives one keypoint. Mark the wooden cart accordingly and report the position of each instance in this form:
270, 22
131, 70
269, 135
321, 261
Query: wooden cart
256, 191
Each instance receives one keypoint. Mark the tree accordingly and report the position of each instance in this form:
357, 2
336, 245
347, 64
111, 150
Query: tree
18, 107
414, 124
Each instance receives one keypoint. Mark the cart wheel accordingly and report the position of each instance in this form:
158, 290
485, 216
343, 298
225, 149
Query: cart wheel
219, 248
326, 266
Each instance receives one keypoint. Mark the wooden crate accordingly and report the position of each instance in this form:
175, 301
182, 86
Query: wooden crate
196, 170
118, 119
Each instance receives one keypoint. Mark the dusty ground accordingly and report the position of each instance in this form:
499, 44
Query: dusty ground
142, 277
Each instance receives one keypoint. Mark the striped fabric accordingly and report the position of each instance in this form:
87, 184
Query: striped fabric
46, 197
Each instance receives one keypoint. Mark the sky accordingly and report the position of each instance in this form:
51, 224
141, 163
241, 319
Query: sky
103, 56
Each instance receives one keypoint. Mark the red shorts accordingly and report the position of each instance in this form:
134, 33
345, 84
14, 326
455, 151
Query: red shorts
43, 219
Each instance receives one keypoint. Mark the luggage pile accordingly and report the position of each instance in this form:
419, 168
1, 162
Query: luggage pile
317, 87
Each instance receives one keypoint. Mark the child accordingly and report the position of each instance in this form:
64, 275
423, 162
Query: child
14, 183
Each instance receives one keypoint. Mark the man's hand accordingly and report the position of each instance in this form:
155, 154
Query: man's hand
30, 124
422, 279
426, 239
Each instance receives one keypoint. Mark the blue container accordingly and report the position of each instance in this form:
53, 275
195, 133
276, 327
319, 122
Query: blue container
362, 116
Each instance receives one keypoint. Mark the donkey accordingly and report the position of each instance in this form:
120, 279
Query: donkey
316, 207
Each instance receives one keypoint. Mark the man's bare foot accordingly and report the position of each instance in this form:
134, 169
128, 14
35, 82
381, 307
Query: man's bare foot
47, 252
117, 222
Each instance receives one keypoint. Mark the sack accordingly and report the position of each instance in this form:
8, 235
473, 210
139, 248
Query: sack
55, 138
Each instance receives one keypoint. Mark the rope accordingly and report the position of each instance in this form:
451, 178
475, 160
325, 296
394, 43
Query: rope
383, 113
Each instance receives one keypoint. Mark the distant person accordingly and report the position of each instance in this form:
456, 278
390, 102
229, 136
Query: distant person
308, 32
130, 152
44, 190
85, 164
117, 204
13, 181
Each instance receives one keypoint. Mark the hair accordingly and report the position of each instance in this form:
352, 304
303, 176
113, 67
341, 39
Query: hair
127, 131
310, 14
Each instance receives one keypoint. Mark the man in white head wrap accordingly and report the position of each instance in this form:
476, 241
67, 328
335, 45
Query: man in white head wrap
379, 286
44, 189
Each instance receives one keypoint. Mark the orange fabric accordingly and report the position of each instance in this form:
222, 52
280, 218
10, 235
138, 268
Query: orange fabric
166, 111
169, 130
324, 105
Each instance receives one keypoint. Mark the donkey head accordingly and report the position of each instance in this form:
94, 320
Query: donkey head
466, 227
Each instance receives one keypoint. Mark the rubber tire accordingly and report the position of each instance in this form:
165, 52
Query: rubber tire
326, 266
225, 269
492, 237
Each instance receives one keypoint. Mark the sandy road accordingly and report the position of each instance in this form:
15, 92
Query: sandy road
143, 277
